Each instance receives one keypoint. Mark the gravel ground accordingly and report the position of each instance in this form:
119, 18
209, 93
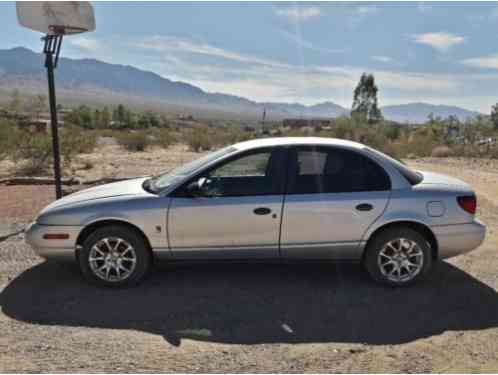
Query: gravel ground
250, 318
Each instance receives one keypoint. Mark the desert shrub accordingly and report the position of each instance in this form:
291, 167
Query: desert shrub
164, 138
199, 140
33, 151
9, 135
220, 137
493, 152
468, 151
134, 142
441, 152
75, 141
32, 154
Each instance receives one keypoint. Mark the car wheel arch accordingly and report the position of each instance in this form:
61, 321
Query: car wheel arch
92, 227
421, 228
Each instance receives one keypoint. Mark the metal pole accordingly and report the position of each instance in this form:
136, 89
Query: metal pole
49, 63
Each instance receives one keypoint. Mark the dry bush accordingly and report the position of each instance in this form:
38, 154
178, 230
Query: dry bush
199, 140
33, 151
164, 138
134, 142
9, 135
441, 152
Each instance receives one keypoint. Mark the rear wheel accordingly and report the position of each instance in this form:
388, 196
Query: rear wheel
114, 256
398, 257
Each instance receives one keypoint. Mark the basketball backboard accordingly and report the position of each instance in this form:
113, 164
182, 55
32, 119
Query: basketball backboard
56, 17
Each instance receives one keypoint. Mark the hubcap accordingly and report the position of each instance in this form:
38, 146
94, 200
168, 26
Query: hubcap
112, 259
400, 260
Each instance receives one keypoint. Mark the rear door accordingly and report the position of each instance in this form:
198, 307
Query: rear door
334, 194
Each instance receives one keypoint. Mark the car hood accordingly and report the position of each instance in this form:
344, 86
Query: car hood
431, 178
127, 187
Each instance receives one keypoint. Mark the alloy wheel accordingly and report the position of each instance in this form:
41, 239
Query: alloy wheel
400, 260
112, 259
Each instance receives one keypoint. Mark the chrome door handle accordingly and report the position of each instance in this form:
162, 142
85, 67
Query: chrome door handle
262, 211
364, 207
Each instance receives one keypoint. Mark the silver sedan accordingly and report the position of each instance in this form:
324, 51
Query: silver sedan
281, 198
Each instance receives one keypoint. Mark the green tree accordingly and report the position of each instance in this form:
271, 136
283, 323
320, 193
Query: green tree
365, 100
119, 116
494, 116
106, 117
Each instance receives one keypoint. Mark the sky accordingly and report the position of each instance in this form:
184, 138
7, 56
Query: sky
307, 52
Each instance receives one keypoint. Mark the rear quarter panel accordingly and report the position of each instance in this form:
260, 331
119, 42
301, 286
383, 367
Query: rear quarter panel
412, 204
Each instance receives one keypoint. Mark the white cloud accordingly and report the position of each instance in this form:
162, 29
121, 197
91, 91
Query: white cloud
440, 41
167, 43
357, 14
301, 42
366, 10
490, 62
384, 59
84, 43
424, 7
298, 13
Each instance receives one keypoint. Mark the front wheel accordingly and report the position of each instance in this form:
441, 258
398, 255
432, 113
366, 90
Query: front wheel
114, 256
398, 257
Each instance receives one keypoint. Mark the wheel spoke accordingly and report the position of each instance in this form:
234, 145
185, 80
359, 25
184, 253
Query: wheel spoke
121, 266
390, 245
107, 244
410, 248
118, 242
93, 259
96, 249
125, 251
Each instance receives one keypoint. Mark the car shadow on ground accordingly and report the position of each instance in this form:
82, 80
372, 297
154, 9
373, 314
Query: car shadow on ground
251, 304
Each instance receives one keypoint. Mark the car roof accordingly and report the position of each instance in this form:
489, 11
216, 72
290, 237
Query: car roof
284, 141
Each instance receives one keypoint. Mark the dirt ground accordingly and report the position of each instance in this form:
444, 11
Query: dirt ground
248, 318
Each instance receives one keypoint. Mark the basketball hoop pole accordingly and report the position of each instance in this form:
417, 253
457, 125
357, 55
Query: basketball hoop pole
51, 50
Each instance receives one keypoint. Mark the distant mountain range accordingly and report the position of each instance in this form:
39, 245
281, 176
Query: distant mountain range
23, 68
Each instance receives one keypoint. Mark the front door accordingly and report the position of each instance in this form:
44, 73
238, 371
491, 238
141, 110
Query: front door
237, 214
334, 195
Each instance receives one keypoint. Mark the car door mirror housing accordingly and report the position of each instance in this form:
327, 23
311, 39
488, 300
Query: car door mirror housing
195, 188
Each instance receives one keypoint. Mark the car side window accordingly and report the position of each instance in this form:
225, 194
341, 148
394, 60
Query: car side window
335, 170
248, 175
251, 165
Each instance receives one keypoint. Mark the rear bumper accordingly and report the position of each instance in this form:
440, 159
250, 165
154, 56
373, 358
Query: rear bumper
458, 239
52, 249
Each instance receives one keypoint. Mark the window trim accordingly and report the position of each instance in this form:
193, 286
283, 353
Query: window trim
292, 160
278, 157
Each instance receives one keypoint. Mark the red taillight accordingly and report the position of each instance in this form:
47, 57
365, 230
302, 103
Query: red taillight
468, 203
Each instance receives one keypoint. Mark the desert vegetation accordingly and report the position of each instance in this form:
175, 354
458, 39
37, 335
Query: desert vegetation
28, 146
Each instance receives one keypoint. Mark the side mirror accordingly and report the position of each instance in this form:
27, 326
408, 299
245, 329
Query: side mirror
195, 188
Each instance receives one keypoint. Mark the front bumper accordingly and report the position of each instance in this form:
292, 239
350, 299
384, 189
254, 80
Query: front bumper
52, 249
458, 239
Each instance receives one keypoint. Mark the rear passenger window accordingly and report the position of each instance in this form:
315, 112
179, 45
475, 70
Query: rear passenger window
334, 170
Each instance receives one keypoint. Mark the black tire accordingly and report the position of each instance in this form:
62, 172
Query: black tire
376, 245
141, 254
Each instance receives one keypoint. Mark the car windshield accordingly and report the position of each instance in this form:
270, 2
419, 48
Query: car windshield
413, 177
162, 181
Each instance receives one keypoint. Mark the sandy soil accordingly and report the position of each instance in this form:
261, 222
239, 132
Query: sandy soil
250, 318
113, 161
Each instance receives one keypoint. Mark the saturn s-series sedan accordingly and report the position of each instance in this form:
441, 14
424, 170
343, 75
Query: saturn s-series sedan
295, 199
